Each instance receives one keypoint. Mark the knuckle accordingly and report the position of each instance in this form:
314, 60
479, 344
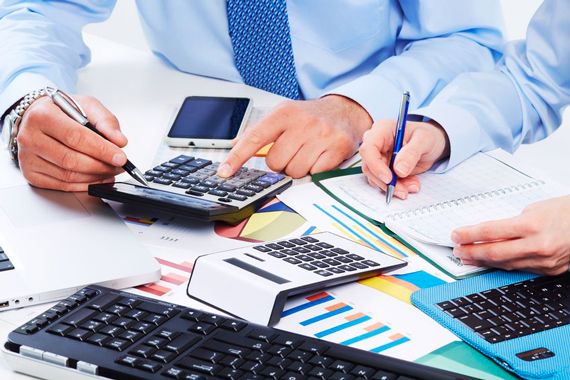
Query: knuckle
74, 137
68, 160
68, 176
493, 255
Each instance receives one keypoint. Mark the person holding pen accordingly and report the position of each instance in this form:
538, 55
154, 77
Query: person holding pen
521, 101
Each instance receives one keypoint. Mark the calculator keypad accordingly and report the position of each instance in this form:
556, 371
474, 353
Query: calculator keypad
197, 177
312, 255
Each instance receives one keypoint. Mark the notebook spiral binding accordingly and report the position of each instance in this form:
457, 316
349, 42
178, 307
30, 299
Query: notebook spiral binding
426, 210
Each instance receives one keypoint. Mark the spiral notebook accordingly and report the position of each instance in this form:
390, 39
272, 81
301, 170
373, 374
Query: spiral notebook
482, 188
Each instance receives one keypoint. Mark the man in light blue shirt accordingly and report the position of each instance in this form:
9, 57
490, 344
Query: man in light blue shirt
521, 101
361, 54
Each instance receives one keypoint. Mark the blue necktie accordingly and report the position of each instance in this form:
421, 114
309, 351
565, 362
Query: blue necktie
259, 31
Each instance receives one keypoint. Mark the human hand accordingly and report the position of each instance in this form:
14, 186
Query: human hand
56, 152
538, 240
309, 136
424, 144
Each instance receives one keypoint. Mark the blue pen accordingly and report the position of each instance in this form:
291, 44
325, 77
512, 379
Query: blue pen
398, 141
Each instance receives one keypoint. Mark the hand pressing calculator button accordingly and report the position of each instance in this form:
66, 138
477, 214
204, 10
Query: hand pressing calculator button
188, 186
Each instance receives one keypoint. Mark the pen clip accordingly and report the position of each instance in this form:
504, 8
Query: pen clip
51, 92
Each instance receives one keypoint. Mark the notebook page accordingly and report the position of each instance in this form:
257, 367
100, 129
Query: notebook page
481, 173
436, 226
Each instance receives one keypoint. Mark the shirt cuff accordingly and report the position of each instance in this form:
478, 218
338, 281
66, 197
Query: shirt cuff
462, 130
378, 96
20, 87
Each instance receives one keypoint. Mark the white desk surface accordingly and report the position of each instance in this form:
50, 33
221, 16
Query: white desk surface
143, 92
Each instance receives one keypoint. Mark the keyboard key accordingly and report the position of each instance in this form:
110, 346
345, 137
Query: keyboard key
227, 348
174, 373
127, 360
207, 355
302, 368
78, 317
155, 319
250, 344
143, 351
97, 339
92, 326
148, 366
111, 330
182, 342
201, 366
191, 315
156, 308
143, 327
202, 328
320, 373
59, 329
233, 325
118, 310
341, 366
384, 375
131, 335
321, 361
123, 322
106, 318
163, 356
213, 319
79, 334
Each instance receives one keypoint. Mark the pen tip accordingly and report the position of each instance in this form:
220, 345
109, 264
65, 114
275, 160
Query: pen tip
389, 194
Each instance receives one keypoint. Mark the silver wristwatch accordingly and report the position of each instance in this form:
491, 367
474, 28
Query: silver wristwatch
14, 118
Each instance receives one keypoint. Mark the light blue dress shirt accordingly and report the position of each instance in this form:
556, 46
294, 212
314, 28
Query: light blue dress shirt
521, 101
368, 50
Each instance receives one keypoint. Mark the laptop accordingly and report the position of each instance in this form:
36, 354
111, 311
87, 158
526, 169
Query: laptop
54, 243
520, 320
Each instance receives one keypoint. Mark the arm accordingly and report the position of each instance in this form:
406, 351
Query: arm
42, 44
438, 40
519, 102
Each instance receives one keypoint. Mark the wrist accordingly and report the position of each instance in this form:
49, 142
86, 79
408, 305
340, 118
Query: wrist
352, 112
442, 137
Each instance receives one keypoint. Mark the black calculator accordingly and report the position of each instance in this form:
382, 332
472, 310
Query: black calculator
188, 186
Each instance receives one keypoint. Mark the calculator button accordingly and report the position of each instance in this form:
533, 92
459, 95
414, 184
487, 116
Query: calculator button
170, 165
182, 185
335, 270
347, 268
298, 241
189, 169
320, 264
225, 200
218, 193
255, 188
324, 273
190, 180
237, 197
200, 189
274, 246
325, 245
262, 248
163, 181
359, 265
195, 193
340, 251
277, 254
332, 262
305, 258
180, 172
370, 263
162, 169
310, 239
174, 177
271, 178
307, 266
149, 178
249, 193
355, 257
292, 260
209, 183
226, 187
286, 244
263, 184
199, 163
153, 173
182, 159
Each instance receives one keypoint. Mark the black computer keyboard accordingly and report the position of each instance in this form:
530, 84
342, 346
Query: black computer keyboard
189, 186
5, 263
123, 336
514, 310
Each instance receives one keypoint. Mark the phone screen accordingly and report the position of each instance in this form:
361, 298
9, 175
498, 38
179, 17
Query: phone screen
202, 117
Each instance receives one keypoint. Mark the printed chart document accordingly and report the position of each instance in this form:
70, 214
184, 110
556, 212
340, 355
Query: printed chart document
481, 189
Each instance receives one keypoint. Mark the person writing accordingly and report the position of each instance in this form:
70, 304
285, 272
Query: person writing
521, 101
329, 58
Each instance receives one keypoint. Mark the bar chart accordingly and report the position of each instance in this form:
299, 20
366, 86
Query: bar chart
346, 315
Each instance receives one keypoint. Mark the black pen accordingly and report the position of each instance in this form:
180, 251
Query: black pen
74, 111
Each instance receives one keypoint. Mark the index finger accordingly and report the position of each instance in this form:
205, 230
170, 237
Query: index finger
81, 139
252, 140
489, 231
376, 141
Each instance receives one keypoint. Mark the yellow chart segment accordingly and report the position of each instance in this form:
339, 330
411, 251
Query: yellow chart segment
392, 286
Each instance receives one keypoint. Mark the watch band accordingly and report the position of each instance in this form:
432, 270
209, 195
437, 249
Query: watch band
14, 118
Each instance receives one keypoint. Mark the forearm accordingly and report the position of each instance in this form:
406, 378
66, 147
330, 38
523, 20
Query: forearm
42, 45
